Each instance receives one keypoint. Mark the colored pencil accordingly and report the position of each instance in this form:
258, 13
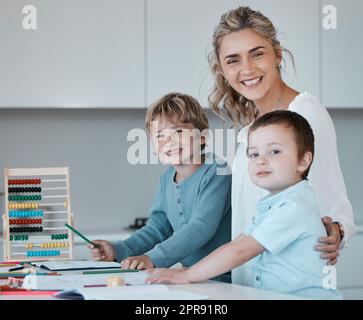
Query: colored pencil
110, 271
80, 234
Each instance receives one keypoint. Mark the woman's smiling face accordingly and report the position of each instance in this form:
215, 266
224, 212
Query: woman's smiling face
249, 63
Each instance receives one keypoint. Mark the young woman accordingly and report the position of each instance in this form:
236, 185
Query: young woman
246, 62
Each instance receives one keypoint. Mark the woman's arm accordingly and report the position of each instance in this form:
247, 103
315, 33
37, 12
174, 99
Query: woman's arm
325, 176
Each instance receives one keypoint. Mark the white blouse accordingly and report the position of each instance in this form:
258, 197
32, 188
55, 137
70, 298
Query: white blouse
325, 177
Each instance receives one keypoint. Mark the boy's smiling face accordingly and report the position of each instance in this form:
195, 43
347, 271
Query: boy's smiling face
273, 158
176, 143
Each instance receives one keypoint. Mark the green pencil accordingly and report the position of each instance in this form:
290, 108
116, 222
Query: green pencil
110, 271
80, 234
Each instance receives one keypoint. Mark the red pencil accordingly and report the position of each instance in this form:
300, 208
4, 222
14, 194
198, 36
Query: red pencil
27, 293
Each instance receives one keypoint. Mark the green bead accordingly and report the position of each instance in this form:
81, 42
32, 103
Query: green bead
11, 238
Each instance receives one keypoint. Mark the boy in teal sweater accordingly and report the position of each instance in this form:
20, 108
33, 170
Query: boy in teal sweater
191, 213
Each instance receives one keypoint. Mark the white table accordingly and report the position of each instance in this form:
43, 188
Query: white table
213, 289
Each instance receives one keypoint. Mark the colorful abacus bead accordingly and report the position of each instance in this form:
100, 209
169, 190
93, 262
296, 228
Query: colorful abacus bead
30, 205
24, 181
19, 237
43, 253
21, 189
21, 214
59, 236
25, 221
55, 245
25, 198
25, 229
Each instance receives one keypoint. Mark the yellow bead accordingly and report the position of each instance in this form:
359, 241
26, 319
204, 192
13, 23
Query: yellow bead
65, 204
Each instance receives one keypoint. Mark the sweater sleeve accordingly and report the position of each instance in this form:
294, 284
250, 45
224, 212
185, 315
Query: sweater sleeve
325, 175
212, 205
156, 230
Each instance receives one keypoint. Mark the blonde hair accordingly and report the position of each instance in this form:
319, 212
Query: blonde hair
238, 108
185, 107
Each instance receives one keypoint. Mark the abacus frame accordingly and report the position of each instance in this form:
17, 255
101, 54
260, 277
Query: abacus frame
33, 172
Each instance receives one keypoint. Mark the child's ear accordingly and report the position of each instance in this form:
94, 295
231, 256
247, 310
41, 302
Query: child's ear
305, 162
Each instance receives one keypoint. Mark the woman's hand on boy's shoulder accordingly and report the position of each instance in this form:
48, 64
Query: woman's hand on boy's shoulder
137, 262
329, 246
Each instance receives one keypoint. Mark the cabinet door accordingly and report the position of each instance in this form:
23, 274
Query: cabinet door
180, 33
342, 63
84, 53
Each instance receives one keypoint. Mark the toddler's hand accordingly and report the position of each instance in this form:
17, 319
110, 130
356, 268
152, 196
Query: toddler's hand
137, 262
103, 252
168, 276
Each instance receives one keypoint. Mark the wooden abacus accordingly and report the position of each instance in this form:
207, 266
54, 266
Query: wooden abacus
37, 206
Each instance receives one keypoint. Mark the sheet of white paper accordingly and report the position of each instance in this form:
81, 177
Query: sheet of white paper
147, 292
38, 282
5, 269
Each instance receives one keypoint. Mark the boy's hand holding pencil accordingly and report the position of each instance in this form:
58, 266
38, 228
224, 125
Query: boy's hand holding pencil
103, 251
